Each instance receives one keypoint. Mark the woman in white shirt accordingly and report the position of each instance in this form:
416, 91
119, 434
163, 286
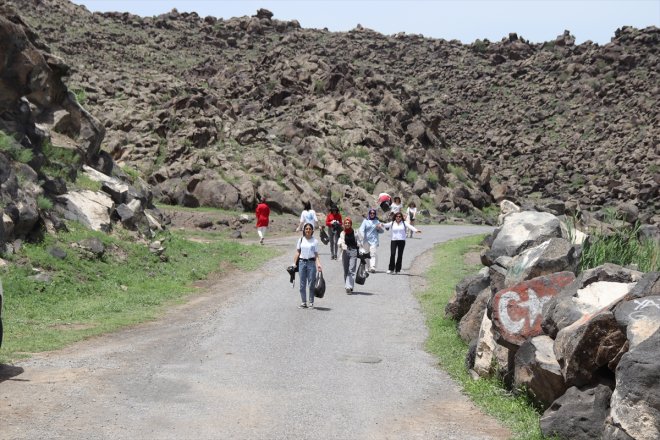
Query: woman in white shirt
399, 230
411, 213
307, 216
308, 261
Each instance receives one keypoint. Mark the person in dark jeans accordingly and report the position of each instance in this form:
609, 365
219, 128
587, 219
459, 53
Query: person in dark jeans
399, 229
334, 223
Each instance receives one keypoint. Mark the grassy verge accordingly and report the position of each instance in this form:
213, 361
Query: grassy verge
87, 296
444, 342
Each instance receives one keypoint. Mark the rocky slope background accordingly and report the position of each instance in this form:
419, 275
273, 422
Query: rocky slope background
215, 112
51, 164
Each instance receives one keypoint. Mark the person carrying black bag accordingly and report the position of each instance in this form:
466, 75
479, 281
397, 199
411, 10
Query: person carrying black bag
349, 252
308, 262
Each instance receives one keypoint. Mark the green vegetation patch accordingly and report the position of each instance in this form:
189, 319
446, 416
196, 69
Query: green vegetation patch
87, 296
623, 247
448, 268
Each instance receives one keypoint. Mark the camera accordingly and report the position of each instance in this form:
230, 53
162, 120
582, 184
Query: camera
292, 273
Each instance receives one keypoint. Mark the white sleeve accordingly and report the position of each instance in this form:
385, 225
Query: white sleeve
411, 227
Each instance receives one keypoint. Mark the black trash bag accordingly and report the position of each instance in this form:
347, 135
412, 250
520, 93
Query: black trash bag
324, 236
362, 274
319, 285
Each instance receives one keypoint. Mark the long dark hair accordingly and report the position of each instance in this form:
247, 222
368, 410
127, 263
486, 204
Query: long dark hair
307, 206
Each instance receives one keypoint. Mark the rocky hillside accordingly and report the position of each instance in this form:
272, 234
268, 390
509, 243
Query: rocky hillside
215, 111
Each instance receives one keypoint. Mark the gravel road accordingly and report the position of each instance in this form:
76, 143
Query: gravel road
241, 361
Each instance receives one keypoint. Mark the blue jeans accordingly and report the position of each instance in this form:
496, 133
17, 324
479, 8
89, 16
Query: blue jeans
307, 271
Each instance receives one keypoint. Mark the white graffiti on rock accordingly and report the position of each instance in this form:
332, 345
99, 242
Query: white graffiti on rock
534, 306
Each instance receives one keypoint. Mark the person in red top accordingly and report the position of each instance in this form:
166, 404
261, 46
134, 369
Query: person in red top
334, 224
263, 213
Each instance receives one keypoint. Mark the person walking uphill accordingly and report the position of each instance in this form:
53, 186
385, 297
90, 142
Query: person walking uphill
370, 229
308, 215
263, 216
308, 261
399, 231
333, 222
349, 249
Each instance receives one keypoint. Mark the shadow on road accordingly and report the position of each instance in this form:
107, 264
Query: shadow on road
9, 371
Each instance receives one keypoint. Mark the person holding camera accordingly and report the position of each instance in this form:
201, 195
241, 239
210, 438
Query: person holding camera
348, 244
334, 223
308, 262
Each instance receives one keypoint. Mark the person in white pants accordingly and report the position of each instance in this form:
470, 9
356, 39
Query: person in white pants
369, 232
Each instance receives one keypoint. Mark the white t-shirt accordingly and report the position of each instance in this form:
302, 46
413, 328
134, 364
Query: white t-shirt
395, 208
309, 217
411, 213
308, 248
399, 229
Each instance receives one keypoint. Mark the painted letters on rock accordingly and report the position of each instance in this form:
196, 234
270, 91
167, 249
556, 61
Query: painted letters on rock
517, 310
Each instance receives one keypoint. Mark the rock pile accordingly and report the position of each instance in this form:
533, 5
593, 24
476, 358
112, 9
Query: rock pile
213, 111
585, 345
46, 141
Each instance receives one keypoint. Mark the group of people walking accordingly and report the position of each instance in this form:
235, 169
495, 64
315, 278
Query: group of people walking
346, 242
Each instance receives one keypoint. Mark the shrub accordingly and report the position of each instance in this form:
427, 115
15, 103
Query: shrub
14, 149
344, 179
44, 203
411, 176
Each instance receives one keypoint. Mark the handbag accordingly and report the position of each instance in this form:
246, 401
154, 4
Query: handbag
362, 274
324, 236
319, 285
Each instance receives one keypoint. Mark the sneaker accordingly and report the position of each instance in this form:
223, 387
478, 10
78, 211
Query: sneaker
302, 306
389, 271
261, 240
348, 290
396, 273
311, 305
372, 270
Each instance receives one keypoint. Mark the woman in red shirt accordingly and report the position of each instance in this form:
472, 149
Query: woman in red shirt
263, 213
334, 224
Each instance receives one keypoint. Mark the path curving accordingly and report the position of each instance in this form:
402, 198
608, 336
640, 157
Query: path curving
243, 362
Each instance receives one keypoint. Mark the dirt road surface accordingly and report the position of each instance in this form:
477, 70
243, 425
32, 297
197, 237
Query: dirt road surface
243, 362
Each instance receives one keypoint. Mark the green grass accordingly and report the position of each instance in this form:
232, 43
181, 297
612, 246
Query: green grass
622, 247
444, 342
87, 297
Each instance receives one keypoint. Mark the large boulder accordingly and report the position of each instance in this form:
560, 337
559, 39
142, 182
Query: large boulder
554, 255
577, 415
490, 357
588, 344
593, 290
537, 371
516, 311
470, 323
635, 404
639, 318
90, 208
522, 230
465, 293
